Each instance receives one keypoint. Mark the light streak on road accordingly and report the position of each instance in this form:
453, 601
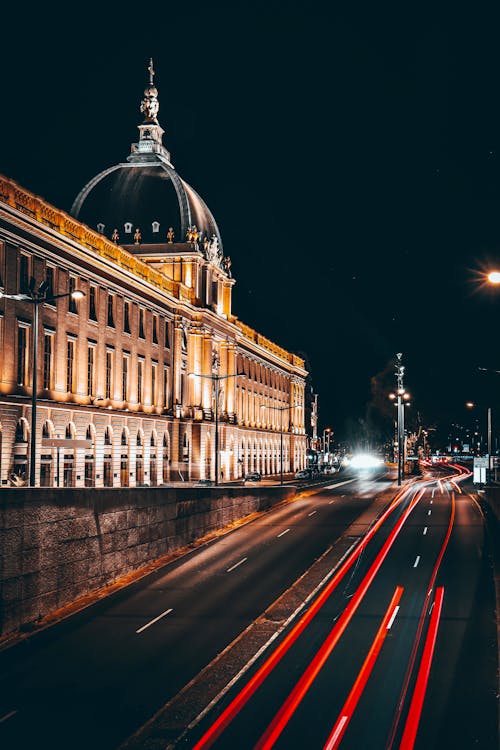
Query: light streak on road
236, 565
411, 664
417, 702
359, 685
417, 560
152, 622
231, 711
290, 705
425, 530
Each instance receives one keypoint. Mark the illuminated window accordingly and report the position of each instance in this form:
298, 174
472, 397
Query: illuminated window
154, 368
22, 353
156, 227
92, 303
125, 376
128, 227
140, 376
48, 359
109, 372
166, 400
90, 369
100, 228
70, 365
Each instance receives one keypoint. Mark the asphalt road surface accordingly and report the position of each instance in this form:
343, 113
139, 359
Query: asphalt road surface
93, 681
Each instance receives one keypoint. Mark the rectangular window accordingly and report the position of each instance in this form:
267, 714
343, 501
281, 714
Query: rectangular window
167, 337
109, 373
70, 366
2, 261
93, 303
22, 355
47, 361
72, 302
155, 329
24, 273
90, 369
140, 375
50, 278
141, 324
165, 388
124, 377
126, 317
111, 319
154, 368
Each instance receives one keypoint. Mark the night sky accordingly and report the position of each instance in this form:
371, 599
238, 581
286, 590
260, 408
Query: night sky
350, 156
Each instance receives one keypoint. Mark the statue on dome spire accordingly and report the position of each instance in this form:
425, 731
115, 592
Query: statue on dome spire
150, 105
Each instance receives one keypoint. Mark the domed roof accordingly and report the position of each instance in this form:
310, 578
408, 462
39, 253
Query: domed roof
145, 193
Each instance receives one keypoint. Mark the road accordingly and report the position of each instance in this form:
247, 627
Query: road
401, 651
94, 681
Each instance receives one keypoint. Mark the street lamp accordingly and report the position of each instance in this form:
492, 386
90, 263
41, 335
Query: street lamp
281, 409
36, 297
471, 405
216, 378
401, 396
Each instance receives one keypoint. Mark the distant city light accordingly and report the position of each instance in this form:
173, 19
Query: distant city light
494, 277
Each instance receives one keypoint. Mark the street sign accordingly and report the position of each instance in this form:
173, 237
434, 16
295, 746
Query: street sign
479, 476
481, 462
62, 443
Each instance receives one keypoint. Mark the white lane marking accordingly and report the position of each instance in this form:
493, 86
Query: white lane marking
152, 622
332, 501
338, 484
335, 735
425, 530
433, 491
8, 716
283, 533
417, 560
238, 563
431, 502
312, 513
429, 512
393, 617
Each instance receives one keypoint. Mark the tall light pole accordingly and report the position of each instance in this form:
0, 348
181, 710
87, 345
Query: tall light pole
401, 396
36, 297
216, 378
471, 405
281, 409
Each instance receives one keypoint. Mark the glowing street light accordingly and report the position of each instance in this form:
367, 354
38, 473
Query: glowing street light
494, 277
36, 297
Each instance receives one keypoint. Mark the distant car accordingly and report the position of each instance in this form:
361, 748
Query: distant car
253, 476
204, 483
303, 474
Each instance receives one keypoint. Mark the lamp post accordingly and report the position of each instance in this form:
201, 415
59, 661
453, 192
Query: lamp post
36, 297
216, 378
401, 396
471, 405
281, 409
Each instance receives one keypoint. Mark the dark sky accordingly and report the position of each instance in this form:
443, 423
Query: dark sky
351, 158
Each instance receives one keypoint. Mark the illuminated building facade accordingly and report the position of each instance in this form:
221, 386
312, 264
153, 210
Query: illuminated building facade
133, 367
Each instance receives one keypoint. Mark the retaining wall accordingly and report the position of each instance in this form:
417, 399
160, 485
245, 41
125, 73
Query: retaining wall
59, 544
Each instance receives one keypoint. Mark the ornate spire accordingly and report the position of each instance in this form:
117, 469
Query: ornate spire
150, 105
150, 145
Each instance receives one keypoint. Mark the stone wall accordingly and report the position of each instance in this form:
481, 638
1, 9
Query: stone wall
492, 497
59, 544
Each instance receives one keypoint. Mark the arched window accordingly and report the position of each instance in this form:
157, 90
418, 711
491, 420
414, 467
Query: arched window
45, 430
124, 440
156, 226
100, 228
152, 442
128, 227
139, 438
21, 436
107, 436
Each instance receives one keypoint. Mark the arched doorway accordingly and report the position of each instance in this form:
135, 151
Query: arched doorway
89, 469
153, 474
46, 472
107, 464
20, 464
69, 459
165, 459
139, 461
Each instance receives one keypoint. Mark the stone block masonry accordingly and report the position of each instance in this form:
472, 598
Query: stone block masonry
57, 545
